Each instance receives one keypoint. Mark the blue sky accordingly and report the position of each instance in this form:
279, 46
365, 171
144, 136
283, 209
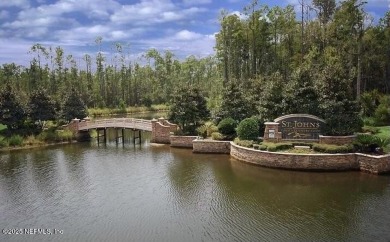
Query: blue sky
185, 27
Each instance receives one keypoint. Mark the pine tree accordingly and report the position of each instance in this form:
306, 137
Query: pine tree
74, 106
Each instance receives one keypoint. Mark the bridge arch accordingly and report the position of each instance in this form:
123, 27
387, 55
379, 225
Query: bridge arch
161, 129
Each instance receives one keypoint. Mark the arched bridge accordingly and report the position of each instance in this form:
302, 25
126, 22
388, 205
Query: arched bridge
126, 123
161, 129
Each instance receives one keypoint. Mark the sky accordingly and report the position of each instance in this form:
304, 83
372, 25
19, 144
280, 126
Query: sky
184, 27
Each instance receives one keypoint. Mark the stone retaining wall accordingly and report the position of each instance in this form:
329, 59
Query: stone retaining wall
320, 162
337, 140
374, 164
211, 146
182, 141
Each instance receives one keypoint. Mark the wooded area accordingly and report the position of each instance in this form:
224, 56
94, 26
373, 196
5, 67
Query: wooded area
268, 62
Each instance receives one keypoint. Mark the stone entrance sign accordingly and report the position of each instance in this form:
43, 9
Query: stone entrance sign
294, 127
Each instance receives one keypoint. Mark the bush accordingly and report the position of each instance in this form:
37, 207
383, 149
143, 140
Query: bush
382, 112
217, 136
248, 129
31, 140
207, 129
227, 126
278, 146
302, 144
47, 136
366, 143
64, 135
15, 140
3, 142
333, 149
244, 143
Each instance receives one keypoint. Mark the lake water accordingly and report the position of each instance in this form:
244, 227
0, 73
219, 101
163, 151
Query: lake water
86, 192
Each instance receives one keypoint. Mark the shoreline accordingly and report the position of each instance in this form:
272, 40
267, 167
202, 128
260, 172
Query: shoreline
27, 147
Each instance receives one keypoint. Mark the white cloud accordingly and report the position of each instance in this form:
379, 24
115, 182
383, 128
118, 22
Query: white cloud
15, 3
187, 35
184, 43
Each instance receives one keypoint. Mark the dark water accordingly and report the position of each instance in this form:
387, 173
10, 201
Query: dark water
157, 193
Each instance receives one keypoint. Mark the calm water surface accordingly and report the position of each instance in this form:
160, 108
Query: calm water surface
157, 193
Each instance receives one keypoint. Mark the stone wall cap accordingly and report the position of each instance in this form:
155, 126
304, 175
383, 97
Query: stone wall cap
336, 136
299, 116
271, 123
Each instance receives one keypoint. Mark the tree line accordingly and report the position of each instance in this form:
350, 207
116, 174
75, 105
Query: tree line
268, 62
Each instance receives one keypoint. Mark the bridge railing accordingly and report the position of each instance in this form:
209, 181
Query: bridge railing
117, 123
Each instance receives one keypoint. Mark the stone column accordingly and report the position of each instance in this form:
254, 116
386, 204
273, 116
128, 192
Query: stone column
271, 132
154, 130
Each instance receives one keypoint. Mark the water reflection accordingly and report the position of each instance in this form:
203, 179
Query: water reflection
148, 192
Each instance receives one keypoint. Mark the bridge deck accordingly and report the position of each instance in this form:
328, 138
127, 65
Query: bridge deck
129, 123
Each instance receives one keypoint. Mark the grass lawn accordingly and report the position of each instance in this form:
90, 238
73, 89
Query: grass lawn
384, 133
2, 127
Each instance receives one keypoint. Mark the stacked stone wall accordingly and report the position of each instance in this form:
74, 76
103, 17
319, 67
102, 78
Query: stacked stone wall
211, 146
337, 140
182, 141
319, 162
374, 164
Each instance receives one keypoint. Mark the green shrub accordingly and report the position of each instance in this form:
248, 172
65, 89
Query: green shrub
207, 129
244, 143
217, 136
31, 140
248, 129
15, 140
262, 147
302, 144
3, 142
278, 146
366, 143
333, 149
47, 136
382, 112
227, 126
64, 135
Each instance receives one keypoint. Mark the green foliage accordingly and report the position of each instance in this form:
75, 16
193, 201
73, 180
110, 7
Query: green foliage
74, 106
370, 129
227, 126
273, 147
244, 143
340, 112
248, 129
366, 143
217, 136
234, 104
3, 142
52, 135
188, 109
382, 112
12, 112
15, 140
41, 107
31, 140
300, 94
369, 102
333, 149
207, 129
122, 106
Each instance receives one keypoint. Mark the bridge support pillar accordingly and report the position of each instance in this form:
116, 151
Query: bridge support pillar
161, 131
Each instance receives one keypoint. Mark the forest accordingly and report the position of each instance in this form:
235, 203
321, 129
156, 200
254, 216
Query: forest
332, 61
